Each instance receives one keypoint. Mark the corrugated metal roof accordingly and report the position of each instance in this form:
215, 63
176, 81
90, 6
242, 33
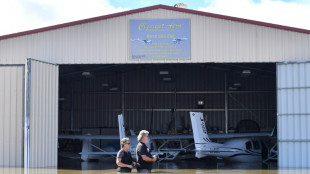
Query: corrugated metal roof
154, 8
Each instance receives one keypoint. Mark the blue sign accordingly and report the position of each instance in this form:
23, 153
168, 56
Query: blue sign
160, 39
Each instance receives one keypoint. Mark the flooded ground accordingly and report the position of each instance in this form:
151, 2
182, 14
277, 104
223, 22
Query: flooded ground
193, 166
165, 171
176, 164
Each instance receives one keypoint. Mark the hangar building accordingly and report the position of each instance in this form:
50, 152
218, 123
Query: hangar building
152, 64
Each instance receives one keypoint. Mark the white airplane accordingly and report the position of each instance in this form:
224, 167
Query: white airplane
178, 40
88, 146
236, 149
145, 41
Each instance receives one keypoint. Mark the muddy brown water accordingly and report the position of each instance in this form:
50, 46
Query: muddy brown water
164, 171
193, 166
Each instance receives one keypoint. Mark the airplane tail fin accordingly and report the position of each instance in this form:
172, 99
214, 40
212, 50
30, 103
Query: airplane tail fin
121, 126
199, 128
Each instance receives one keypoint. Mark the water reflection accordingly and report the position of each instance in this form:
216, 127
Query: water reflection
210, 164
193, 166
27, 171
177, 164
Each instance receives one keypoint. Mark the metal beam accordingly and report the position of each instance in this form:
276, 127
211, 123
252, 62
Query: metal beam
226, 104
27, 114
295, 141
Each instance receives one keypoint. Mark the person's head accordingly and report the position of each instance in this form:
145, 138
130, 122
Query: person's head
125, 143
143, 136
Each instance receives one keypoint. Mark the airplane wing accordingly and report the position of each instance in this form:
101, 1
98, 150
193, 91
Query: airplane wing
211, 136
112, 153
98, 153
170, 137
216, 151
81, 137
239, 135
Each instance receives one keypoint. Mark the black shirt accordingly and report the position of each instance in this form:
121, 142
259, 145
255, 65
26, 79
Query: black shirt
126, 159
143, 150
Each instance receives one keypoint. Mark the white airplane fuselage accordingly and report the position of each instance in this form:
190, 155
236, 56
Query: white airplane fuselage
233, 150
237, 149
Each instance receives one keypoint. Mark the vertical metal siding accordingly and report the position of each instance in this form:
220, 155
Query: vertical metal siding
43, 114
11, 115
293, 85
106, 41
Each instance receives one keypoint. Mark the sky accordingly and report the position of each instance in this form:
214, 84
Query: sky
22, 15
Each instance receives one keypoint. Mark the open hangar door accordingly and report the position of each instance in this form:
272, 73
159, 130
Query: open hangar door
159, 97
41, 116
28, 114
293, 93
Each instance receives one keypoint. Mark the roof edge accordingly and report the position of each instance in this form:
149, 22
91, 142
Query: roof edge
242, 20
201, 13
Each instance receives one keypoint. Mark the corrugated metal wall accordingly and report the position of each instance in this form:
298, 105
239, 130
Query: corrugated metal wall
11, 115
107, 41
293, 83
148, 99
43, 114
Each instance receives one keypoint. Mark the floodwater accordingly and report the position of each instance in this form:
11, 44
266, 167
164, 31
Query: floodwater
164, 171
193, 166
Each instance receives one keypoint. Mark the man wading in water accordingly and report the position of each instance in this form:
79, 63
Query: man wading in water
144, 157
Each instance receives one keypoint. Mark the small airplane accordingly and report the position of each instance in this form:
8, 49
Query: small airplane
145, 41
237, 149
168, 153
88, 147
178, 40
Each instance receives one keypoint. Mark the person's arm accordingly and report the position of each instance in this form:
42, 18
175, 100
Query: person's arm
146, 156
133, 163
120, 164
148, 159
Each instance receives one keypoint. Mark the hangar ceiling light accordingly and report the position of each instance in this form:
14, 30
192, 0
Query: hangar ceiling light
104, 84
232, 88
246, 71
200, 103
237, 84
167, 79
163, 72
87, 74
113, 89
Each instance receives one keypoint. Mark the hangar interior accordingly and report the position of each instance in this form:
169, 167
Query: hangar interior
151, 95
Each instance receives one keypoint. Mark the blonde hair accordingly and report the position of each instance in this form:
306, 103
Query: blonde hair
142, 134
124, 141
